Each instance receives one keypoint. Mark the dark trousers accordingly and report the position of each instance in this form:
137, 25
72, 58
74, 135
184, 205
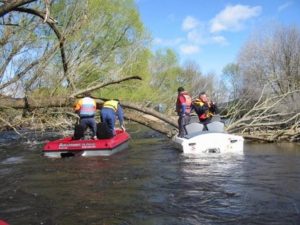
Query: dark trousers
205, 122
89, 122
108, 116
182, 121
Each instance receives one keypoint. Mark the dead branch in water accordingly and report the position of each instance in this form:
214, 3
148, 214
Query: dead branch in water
267, 120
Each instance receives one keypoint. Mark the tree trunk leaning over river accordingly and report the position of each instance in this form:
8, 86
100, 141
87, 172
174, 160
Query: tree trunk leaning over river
260, 123
156, 121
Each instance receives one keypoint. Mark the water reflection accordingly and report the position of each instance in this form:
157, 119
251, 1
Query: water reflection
151, 183
13, 160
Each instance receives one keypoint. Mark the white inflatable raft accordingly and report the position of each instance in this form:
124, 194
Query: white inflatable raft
215, 140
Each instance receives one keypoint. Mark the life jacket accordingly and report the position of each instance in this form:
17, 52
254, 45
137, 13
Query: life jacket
207, 114
188, 102
111, 104
87, 107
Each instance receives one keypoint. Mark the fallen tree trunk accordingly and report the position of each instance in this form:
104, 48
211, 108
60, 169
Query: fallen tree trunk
33, 103
157, 121
153, 123
274, 132
152, 112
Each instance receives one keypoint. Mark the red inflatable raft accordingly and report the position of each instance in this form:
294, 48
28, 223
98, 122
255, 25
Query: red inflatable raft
2, 222
101, 147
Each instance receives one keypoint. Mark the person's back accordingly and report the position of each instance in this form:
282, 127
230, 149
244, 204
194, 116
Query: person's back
109, 111
86, 109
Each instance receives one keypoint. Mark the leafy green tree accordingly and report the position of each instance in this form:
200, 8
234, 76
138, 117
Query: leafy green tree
101, 38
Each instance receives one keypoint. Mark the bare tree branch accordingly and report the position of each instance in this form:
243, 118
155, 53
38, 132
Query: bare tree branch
11, 126
9, 6
20, 75
104, 85
61, 39
47, 4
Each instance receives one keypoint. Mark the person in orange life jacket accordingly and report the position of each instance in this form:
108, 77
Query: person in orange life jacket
109, 111
204, 108
183, 109
86, 109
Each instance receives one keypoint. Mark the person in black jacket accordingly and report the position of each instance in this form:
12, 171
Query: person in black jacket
205, 108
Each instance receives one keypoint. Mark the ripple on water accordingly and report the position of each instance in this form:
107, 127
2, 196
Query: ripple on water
13, 160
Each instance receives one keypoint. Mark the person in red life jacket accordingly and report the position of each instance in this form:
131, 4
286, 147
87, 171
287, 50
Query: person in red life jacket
86, 109
183, 109
205, 108
109, 111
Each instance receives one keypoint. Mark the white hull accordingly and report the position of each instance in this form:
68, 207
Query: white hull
214, 141
207, 142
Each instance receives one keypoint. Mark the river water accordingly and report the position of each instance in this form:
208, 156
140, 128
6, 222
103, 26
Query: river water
150, 183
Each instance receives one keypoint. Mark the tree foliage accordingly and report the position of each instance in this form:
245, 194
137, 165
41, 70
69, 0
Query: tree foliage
102, 40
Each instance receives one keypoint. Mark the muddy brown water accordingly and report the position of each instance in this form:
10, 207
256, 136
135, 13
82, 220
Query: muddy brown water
149, 183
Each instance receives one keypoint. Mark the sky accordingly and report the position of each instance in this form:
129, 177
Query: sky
212, 32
